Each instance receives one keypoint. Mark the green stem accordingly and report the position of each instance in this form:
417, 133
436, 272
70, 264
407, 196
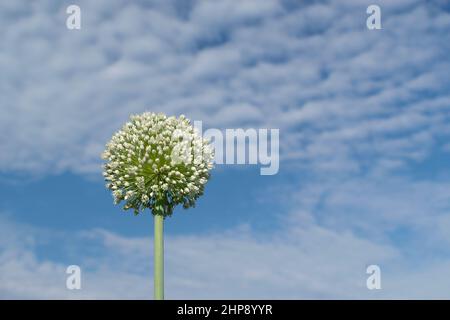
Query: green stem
159, 257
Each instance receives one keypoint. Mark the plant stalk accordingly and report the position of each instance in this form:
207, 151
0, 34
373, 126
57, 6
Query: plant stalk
159, 257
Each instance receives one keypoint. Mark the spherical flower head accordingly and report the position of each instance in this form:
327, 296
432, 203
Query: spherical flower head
157, 162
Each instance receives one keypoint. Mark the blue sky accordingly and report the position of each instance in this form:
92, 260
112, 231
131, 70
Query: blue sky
364, 125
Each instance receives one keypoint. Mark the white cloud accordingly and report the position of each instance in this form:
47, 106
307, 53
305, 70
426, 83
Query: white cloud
320, 249
348, 101
302, 263
310, 67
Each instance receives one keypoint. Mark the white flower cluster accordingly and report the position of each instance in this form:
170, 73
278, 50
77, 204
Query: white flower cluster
157, 162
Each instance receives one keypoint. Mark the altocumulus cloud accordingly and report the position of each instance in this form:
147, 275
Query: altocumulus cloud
361, 112
311, 66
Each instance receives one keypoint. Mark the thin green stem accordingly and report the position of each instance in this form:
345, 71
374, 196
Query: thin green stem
159, 257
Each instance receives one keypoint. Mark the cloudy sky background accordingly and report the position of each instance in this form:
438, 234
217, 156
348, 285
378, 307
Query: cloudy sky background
364, 125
